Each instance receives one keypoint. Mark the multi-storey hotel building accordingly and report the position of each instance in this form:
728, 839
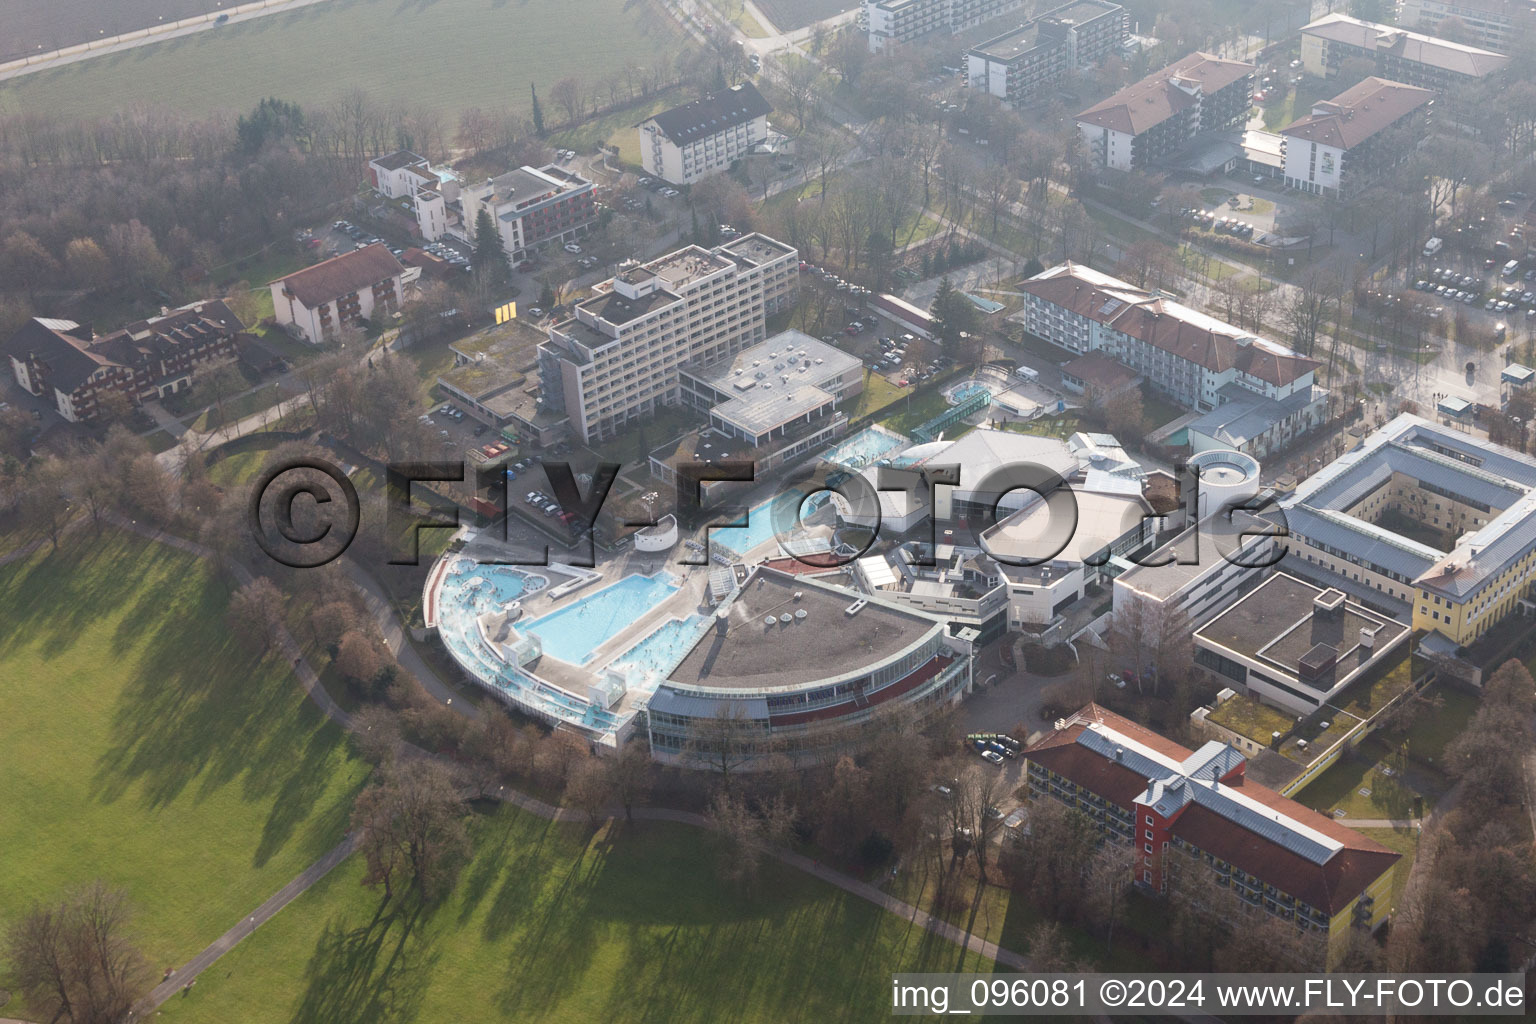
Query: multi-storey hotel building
617, 358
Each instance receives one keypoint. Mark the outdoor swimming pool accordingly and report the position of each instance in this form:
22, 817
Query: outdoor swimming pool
859, 450
963, 391
468, 591
573, 632
646, 664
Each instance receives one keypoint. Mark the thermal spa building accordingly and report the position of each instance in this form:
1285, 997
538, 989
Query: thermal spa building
742, 658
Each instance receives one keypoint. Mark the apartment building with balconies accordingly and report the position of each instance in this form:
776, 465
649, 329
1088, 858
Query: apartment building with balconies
891, 23
1495, 24
1347, 142
1160, 116
1183, 809
1400, 55
1034, 57
532, 208
318, 301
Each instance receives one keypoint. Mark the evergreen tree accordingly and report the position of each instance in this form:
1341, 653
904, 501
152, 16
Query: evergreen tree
538, 111
273, 119
953, 315
547, 297
491, 263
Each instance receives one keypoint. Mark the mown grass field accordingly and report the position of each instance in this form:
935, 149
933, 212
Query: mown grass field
143, 747
553, 923
445, 55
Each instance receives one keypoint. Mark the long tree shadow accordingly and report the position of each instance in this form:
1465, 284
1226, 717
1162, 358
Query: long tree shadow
198, 712
374, 974
788, 951
50, 599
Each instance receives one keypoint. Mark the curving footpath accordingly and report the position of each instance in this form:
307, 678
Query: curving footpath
388, 623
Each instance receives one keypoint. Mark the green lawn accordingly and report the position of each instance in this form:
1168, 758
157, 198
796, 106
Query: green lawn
459, 53
916, 409
1339, 788
618, 128
144, 748
238, 468
547, 925
878, 393
1062, 426
736, 12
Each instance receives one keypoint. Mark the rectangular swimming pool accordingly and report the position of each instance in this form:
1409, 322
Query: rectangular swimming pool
644, 664
859, 450
572, 633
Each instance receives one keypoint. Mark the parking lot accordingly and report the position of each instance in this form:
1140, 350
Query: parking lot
1507, 292
885, 346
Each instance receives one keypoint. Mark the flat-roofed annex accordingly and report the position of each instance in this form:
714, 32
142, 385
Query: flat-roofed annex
826, 643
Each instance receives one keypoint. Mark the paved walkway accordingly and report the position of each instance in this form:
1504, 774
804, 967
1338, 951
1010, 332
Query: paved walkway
384, 615
187, 973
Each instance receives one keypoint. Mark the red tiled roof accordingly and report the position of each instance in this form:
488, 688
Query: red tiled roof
341, 275
1084, 298
1273, 367
1164, 325
1153, 100
1101, 370
1358, 113
1329, 886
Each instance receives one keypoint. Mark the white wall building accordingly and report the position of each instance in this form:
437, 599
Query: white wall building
1342, 144
705, 137
1181, 351
1491, 23
319, 300
617, 358
893, 22
1159, 116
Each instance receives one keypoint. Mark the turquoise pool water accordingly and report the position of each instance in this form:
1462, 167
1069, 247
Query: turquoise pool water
759, 529
645, 664
573, 632
964, 391
987, 306
468, 591
859, 450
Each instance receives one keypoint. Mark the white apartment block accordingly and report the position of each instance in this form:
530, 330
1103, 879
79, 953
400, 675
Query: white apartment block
618, 358
319, 300
705, 137
1347, 141
532, 207
1159, 116
1037, 55
1197, 360
893, 22
1490, 23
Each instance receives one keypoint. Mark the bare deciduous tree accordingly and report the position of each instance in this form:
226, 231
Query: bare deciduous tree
410, 829
75, 961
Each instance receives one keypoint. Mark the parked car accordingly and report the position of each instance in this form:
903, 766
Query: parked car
992, 756
573, 247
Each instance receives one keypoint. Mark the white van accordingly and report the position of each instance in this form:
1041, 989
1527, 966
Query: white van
1511, 268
